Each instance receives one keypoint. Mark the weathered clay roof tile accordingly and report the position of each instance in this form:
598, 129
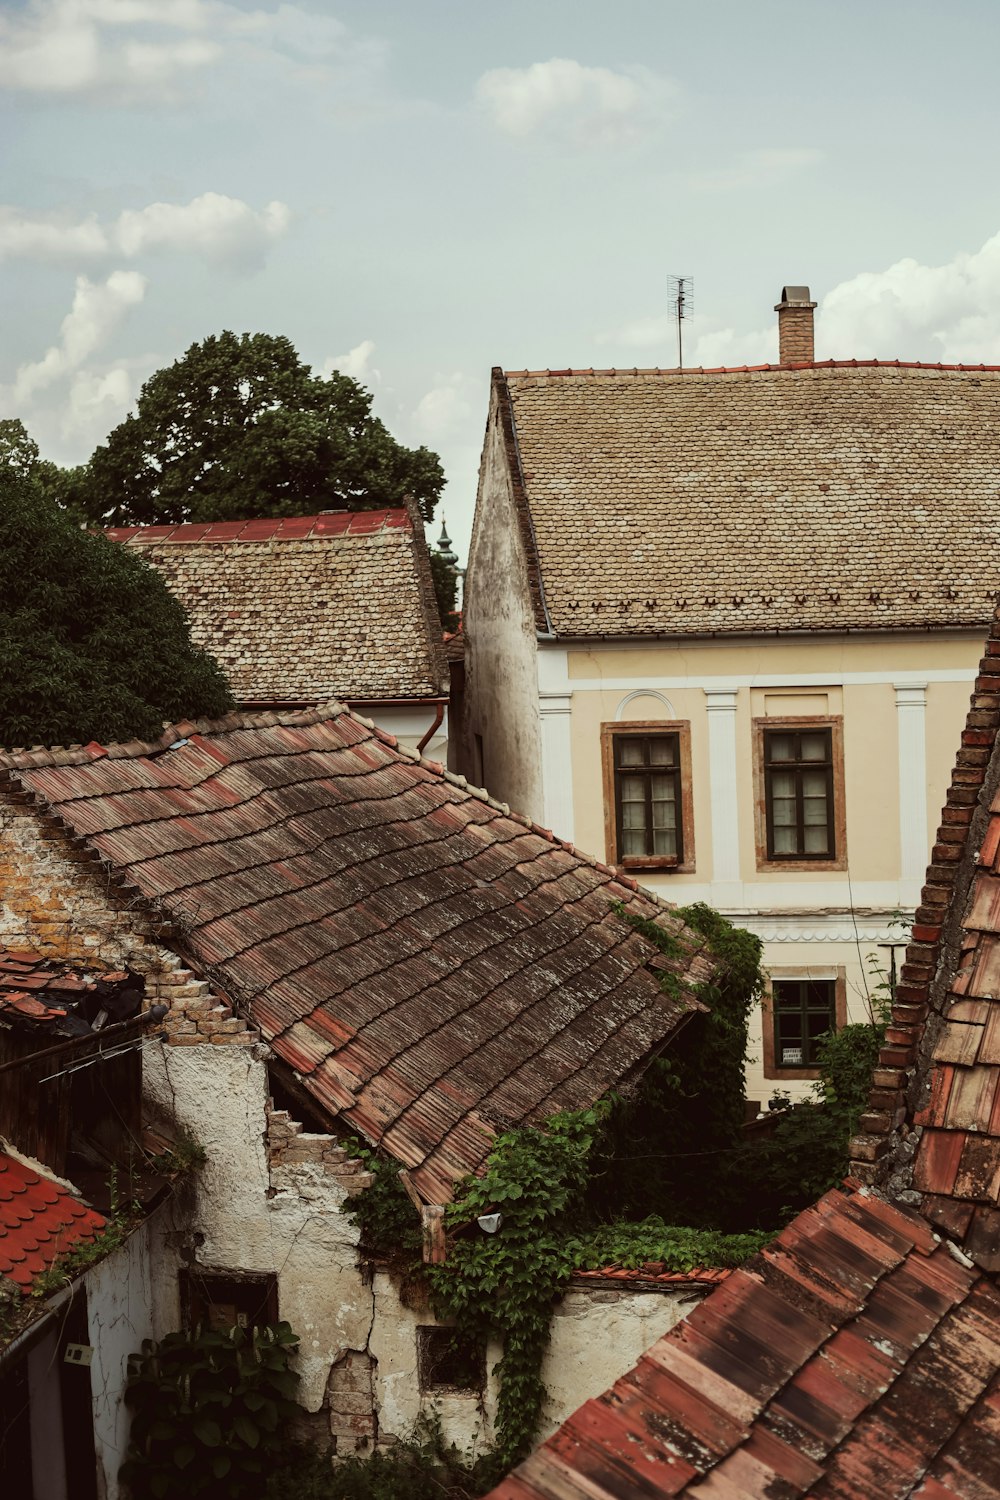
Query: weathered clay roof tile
305, 608
433, 967
845, 495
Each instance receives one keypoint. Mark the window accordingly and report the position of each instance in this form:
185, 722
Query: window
648, 795
228, 1299
800, 801
799, 1009
448, 1362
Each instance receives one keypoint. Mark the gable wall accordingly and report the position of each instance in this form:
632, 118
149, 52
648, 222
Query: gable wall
501, 684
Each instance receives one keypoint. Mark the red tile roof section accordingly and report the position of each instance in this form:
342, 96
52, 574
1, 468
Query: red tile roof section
854, 1357
40, 1220
433, 966
940, 1067
268, 529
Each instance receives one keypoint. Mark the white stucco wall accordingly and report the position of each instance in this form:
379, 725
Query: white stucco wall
119, 1317
245, 1218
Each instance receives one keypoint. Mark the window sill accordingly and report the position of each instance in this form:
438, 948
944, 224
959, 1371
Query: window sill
792, 1075
799, 865
664, 864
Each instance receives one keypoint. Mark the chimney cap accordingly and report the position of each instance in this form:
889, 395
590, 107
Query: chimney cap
794, 296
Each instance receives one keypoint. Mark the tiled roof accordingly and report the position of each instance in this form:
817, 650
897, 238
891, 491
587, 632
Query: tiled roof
855, 1357
838, 496
933, 1125
41, 995
433, 966
39, 1221
307, 608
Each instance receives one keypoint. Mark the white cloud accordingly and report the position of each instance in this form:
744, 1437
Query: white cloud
948, 313
447, 409
567, 100
212, 225
98, 310
123, 51
357, 363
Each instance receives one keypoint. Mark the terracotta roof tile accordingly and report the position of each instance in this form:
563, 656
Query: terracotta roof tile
749, 1396
633, 483
39, 1221
306, 608
433, 966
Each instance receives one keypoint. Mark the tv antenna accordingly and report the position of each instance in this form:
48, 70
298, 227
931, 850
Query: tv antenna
682, 303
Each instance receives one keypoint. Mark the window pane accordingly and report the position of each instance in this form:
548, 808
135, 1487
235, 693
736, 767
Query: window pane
665, 841
816, 841
783, 784
631, 751
633, 842
663, 751
814, 747
785, 841
781, 747
813, 783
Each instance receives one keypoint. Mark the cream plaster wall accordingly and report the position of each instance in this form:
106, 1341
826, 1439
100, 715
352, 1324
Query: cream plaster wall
596, 1336
501, 686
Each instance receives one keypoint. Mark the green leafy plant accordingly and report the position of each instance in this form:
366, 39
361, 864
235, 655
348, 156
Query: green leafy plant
208, 1412
424, 1467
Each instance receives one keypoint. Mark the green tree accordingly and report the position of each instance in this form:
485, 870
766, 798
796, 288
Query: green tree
92, 643
241, 427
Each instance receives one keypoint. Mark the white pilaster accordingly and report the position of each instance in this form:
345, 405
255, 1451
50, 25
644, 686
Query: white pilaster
720, 704
914, 845
554, 708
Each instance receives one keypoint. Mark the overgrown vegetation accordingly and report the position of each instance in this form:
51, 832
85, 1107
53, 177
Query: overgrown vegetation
423, 1468
93, 646
209, 1413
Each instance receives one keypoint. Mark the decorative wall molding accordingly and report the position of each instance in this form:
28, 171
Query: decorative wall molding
644, 692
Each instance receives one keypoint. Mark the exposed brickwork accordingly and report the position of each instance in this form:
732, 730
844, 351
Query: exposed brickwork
795, 334
350, 1400
880, 1148
289, 1145
61, 901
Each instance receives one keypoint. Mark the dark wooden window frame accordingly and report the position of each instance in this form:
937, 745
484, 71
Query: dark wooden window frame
837, 825
836, 976
258, 1289
443, 1352
680, 730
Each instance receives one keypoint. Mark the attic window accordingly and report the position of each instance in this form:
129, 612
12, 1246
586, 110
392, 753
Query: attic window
448, 1362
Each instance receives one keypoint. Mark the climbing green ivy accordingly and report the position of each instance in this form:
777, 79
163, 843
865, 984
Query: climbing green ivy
504, 1285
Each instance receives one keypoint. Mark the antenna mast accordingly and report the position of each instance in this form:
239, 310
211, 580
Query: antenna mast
682, 302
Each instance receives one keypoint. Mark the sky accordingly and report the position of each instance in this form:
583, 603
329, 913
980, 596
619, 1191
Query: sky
414, 191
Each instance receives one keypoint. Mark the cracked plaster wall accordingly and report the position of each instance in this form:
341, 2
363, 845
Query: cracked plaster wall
119, 1316
241, 1214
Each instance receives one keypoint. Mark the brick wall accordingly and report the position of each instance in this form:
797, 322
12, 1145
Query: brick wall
63, 902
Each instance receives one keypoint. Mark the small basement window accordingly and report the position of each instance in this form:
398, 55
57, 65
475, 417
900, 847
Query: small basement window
448, 1362
228, 1299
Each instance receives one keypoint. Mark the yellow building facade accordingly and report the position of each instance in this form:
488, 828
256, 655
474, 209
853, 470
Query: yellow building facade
722, 627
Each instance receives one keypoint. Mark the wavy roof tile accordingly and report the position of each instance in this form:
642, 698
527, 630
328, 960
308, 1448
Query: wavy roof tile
40, 1220
306, 608
431, 965
838, 496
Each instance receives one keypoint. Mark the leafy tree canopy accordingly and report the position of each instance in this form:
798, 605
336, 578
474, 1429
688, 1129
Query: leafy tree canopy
241, 427
92, 644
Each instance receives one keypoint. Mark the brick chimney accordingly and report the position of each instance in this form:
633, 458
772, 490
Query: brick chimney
795, 326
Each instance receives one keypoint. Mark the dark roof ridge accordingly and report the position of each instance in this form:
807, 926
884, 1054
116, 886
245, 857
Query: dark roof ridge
816, 364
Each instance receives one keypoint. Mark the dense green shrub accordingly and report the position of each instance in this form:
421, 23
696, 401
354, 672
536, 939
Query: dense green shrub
208, 1413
